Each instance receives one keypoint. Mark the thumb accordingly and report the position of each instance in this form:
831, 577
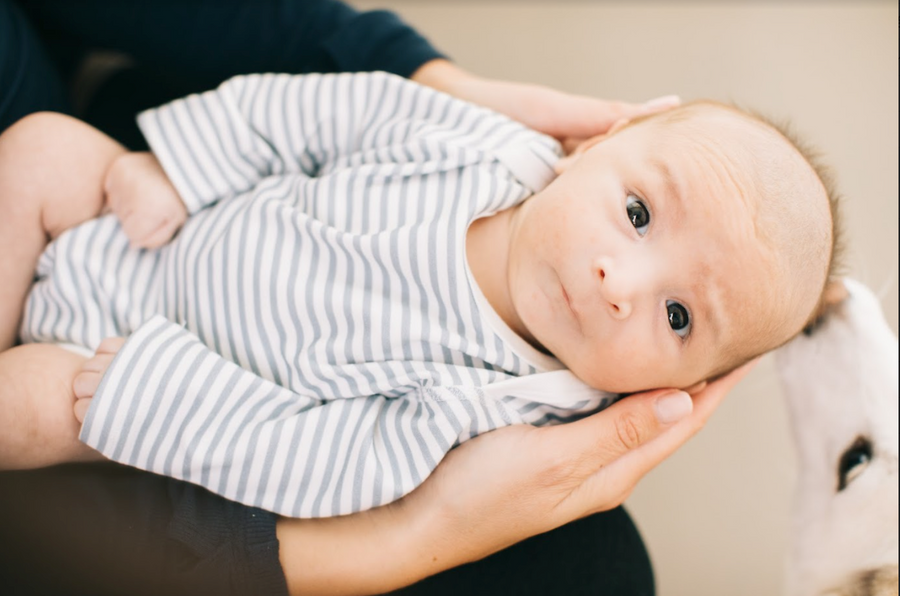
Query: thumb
632, 465
625, 426
628, 111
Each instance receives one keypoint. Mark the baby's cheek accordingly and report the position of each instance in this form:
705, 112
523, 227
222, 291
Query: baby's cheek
605, 371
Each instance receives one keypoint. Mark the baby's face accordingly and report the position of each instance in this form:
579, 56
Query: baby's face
640, 265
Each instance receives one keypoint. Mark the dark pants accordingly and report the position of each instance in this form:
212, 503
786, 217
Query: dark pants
105, 529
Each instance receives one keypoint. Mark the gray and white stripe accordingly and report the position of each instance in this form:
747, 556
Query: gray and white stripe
310, 343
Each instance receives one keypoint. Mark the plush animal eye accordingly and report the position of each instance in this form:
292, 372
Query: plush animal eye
638, 214
854, 461
679, 318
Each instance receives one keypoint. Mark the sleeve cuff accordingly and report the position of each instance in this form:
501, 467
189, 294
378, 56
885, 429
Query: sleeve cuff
130, 398
166, 151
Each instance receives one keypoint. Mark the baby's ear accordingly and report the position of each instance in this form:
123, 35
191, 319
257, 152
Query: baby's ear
572, 156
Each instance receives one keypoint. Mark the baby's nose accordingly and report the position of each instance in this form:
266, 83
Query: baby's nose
615, 287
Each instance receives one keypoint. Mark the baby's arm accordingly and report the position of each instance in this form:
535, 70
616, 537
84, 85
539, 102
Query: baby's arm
224, 142
140, 194
167, 404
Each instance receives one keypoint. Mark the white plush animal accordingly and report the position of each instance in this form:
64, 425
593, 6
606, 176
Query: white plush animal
841, 381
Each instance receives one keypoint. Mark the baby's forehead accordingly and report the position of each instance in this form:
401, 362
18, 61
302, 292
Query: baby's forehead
731, 127
726, 143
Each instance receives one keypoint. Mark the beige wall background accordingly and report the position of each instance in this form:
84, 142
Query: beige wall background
716, 515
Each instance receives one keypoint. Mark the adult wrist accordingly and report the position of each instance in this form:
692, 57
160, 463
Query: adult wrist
372, 552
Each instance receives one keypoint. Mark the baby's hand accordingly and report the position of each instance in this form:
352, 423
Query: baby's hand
142, 197
88, 378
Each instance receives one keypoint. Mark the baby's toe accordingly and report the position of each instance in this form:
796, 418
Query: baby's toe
81, 408
88, 378
86, 383
111, 345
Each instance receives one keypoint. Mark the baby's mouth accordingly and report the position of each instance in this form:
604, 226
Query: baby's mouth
568, 301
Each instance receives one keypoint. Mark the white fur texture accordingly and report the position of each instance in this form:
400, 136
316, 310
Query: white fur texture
842, 383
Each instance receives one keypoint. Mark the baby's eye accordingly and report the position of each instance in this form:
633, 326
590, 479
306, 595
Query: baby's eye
638, 214
679, 319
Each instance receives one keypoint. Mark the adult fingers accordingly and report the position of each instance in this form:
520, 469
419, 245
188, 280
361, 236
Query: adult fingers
569, 144
657, 104
588, 117
626, 470
594, 443
595, 116
639, 431
711, 396
600, 439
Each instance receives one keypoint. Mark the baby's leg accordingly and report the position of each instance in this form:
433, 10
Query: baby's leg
37, 425
52, 169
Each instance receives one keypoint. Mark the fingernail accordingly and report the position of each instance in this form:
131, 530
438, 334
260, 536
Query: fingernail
673, 406
666, 101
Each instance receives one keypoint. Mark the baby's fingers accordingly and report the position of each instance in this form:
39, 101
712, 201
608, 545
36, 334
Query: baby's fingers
145, 231
161, 235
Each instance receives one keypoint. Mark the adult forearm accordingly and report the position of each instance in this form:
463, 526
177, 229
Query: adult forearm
372, 552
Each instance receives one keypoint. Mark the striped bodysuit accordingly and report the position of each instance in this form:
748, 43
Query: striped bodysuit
312, 342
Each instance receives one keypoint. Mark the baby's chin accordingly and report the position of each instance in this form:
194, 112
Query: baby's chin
609, 383
625, 383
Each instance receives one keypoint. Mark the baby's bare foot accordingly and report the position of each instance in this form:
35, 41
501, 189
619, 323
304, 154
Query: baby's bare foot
92, 371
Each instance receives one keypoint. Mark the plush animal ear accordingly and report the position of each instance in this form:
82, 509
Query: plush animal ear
835, 293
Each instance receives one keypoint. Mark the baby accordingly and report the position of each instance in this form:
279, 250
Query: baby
361, 283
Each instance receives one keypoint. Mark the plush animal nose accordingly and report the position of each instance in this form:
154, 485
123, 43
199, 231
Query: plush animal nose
615, 287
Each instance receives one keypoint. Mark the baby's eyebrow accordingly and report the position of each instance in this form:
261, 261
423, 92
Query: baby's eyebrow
670, 182
709, 306
712, 308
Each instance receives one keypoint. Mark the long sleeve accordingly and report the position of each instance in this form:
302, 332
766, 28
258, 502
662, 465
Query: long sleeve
223, 142
169, 405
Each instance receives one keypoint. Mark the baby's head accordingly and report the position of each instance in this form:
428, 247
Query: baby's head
673, 249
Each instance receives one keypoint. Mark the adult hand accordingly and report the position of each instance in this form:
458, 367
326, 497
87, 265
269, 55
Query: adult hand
569, 118
496, 490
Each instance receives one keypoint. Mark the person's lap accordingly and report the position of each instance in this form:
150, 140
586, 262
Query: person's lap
107, 529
